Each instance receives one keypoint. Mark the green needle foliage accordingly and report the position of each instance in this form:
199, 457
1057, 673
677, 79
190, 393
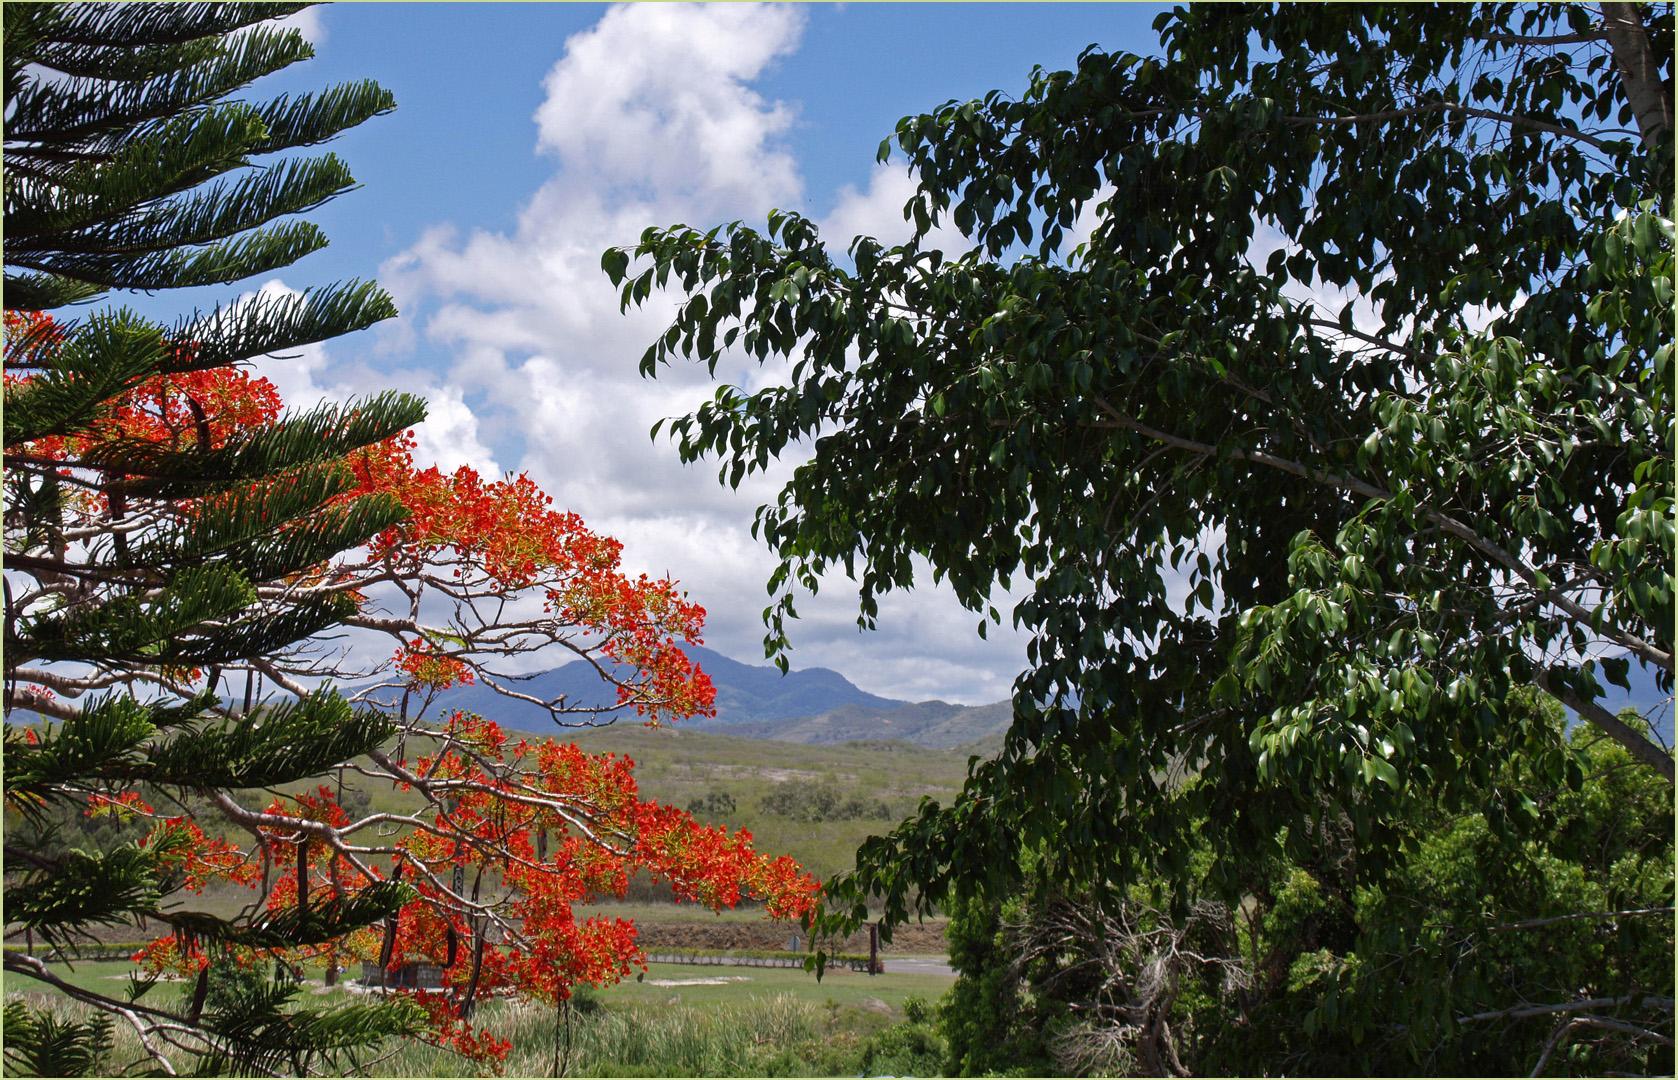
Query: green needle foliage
39, 1044
1352, 322
131, 163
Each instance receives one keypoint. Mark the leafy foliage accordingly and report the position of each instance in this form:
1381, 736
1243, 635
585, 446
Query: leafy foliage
1352, 322
1480, 954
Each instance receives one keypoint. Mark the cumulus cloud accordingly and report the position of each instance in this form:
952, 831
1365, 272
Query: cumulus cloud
651, 119
307, 22
654, 99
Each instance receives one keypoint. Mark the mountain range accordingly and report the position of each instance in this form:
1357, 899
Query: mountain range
813, 705
821, 707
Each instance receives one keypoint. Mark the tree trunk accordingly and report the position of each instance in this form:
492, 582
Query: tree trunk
1638, 70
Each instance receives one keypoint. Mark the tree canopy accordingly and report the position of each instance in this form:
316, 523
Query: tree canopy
1474, 958
1353, 324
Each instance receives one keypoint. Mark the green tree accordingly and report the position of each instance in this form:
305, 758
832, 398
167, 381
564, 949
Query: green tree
132, 557
1357, 318
1478, 956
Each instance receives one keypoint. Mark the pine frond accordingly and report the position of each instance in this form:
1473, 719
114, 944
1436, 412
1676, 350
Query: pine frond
104, 740
256, 253
325, 433
41, 1044
167, 158
64, 114
308, 119
107, 355
122, 63
274, 530
281, 745
42, 292
268, 1036
207, 215
83, 889
269, 323
134, 629
139, 25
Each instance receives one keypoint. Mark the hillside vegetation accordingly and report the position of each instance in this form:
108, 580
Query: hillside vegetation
792, 796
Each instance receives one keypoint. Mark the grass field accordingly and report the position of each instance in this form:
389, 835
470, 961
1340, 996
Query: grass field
708, 986
694, 984
678, 767
677, 1020
105, 977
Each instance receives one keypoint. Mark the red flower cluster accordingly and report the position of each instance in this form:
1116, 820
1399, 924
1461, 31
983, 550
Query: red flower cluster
505, 537
167, 954
198, 859
550, 826
124, 806
176, 410
450, 1032
429, 668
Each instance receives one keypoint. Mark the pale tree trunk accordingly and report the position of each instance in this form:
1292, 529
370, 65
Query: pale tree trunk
1633, 55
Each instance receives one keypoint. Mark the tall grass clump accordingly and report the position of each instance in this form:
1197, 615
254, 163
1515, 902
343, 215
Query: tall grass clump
779, 1036
637, 1040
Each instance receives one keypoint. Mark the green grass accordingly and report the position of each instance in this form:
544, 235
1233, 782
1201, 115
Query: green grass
730, 985
727, 1022
104, 977
778, 1036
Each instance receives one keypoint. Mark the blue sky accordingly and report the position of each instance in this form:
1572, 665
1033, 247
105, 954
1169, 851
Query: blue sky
528, 138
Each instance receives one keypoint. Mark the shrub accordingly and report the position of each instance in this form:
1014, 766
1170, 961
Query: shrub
823, 802
912, 1048
712, 804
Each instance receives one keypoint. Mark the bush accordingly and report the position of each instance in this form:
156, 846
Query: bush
912, 1048
231, 984
712, 804
824, 802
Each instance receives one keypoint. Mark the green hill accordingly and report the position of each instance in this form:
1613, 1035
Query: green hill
813, 802
931, 724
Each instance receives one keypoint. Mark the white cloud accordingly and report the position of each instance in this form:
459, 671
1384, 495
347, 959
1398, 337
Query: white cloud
308, 376
651, 119
307, 22
449, 436
654, 99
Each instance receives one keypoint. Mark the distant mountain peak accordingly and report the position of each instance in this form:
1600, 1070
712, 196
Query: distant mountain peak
746, 693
